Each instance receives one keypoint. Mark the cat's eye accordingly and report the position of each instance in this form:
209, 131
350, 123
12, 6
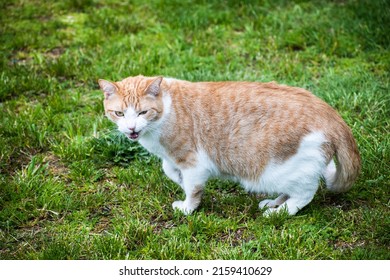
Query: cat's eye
142, 113
119, 114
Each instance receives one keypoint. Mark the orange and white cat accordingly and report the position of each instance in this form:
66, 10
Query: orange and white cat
271, 138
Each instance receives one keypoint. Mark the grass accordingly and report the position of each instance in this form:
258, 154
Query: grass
73, 188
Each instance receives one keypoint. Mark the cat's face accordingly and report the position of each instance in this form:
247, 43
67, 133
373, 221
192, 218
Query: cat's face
134, 104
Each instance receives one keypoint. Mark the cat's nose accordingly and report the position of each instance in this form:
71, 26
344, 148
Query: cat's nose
131, 128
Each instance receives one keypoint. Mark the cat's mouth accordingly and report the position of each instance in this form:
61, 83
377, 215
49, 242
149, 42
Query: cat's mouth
133, 135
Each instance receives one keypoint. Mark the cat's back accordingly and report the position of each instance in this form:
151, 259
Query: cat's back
237, 92
231, 101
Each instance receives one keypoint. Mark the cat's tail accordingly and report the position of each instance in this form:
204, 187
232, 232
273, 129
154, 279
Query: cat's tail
340, 176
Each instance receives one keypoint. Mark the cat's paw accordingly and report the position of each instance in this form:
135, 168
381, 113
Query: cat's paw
270, 203
183, 207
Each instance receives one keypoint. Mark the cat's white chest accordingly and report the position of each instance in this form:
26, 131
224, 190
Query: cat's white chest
152, 144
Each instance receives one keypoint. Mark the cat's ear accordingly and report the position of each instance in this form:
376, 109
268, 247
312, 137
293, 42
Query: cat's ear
108, 88
154, 87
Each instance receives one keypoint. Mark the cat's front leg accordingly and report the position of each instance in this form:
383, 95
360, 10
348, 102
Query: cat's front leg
172, 172
194, 180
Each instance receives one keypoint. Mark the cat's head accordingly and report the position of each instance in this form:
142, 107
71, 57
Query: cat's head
134, 104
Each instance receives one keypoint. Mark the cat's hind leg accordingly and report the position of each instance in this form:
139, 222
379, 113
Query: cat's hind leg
298, 191
292, 205
297, 177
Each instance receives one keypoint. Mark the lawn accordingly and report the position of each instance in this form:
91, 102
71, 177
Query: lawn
71, 187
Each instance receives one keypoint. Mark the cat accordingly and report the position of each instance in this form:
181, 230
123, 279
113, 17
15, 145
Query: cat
270, 138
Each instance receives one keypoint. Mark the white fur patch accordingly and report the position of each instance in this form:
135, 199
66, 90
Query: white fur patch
205, 163
300, 171
296, 179
330, 173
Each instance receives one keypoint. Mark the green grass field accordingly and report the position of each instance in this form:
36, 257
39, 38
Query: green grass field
71, 187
